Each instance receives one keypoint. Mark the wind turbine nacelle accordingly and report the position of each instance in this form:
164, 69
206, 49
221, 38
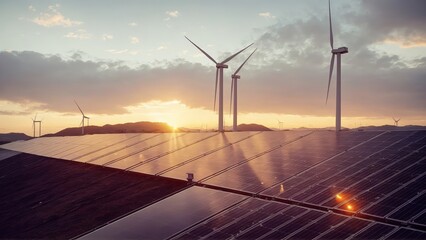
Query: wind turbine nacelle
340, 50
235, 76
221, 65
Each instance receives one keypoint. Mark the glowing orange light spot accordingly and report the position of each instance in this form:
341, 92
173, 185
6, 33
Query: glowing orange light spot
349, 207
339, 197
281, 188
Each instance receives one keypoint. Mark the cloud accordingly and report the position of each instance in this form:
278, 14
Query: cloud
134, 40
399, 22
133, 24
116, 51
104, 87
32, 8
79, 34
277, 87
53, 18
288, 74
172, 14
373, 83
106, 37
266, 15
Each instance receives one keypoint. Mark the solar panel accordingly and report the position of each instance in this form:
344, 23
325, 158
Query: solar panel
102, 158
193, 152
375, 231
287, 161
319, 184
4, 154
233, 155
160, 150
404, 233
169, 216
256, 218
96, 143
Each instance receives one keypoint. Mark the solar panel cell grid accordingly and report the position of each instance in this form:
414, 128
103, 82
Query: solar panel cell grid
407, 212
374, 231
233, 155
101, 159
155, 152
89, 154
383, 176
420, 219
254, 233
346, 229
404, 233
311, 150
193, 152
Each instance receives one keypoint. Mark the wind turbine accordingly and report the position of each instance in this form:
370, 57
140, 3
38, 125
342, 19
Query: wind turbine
219, 73
34, 125
280, 124
82, 120
396, 121
234, 91
338, 52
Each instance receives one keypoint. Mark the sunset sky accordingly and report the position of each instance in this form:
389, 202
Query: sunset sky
128, 61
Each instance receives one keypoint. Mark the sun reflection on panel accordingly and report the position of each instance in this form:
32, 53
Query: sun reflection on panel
281, 188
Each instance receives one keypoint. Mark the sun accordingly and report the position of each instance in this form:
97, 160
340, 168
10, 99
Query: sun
173, 126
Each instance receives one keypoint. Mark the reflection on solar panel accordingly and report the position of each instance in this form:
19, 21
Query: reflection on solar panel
7, 154
165, 218
287, 160
284, 184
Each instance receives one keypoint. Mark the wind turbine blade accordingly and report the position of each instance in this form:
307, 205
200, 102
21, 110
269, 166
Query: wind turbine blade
329, 76
35, 118
232, 90
331, 27
232, 56
207, 55
215, 90
244, 62
79, 107
393, 118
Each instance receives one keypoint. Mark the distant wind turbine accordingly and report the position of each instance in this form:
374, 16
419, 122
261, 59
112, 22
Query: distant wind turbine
234, 91
338, 52
219, 73
396, 121
82, 120
280, 125
35, 121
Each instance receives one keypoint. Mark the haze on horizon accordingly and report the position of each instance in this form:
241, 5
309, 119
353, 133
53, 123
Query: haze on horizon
130, 62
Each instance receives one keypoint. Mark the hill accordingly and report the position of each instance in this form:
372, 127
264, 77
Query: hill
11, 137
137, 127
392, 128
252, 127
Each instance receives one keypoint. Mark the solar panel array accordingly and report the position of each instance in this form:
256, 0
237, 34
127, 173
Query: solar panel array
292, 184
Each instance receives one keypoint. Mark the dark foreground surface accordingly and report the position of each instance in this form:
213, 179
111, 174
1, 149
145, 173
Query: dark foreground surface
43, 197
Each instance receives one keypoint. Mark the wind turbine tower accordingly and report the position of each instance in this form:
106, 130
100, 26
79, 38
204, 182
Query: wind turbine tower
219, 74
280, 125
335, 52
35, 121
234, 85
82, 120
